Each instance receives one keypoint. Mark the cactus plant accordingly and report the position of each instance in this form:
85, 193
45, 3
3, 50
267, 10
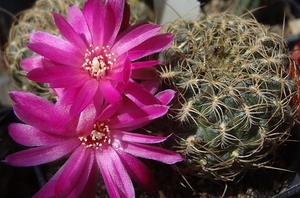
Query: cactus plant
234, 94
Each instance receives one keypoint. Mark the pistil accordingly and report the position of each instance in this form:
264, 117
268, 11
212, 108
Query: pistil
98, 136
98, 61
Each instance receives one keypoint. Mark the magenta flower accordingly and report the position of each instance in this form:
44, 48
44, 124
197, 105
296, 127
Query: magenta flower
96, 52
91, 141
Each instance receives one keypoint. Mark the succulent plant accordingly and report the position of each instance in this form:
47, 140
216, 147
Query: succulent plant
233, 107
39, 18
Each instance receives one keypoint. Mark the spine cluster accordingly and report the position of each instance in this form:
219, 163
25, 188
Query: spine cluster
234, 102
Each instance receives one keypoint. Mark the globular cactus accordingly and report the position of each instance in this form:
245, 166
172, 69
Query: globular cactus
234, 94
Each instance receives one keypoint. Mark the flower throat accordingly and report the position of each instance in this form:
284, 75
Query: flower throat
98, 61
98, 136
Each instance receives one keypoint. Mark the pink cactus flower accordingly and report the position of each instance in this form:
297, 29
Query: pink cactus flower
94, 139
96, 52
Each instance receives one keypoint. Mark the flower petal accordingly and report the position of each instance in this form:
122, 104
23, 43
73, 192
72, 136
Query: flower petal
151, 152
59, 76
108, 111
31, 63
39, 113
30, 136
84, 97
134, 119
73, 179
93, 12
63, 56
48, 189
68, 32
32, 109
138, 138
44, 154
135, 37
90, 188
126, 18
121, 72
129, 29
151, 46
165, 96
86, 120
113, 13
110, 93
115, 176
137, 65
151, 85
48, 39
139, 95
138, 171
77, 20
105, 163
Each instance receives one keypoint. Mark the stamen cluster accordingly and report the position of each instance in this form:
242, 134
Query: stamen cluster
98, 61
98, 136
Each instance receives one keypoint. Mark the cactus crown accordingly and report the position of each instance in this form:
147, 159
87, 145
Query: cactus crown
234, 93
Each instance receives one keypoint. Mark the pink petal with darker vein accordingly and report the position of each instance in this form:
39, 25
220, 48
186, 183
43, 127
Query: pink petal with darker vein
117, 180
88, 13
40, 113
96, 25
137, 65
48, 189
113, 13
86, 120
31, 63
138, 138
73, 179
63, 56
134, 38
165, 96
48, 39
138, 171
133, 119
150, 46
59, 76
30, 136
109, 92
121, 72
151, 85
139, 95
129, 29
108, 111
76, 19
151, 152
90, 187
84, 97
44, 154
68, 32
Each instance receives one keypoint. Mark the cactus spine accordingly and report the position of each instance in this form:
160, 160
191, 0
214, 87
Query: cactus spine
234, 95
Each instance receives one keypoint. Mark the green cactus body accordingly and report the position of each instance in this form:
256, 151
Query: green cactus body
233, 93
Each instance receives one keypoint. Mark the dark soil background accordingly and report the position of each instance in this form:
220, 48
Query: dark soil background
23, 182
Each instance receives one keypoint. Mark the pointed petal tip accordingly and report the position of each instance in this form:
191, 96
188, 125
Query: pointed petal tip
15, 94
176, 158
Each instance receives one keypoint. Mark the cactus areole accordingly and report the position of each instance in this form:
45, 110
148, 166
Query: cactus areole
234, 94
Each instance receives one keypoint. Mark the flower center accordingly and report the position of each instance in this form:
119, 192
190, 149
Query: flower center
98, 136
98, 61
